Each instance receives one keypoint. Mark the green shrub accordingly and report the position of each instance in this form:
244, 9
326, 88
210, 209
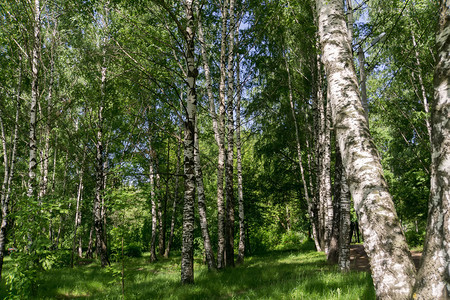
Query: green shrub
414, 238
133, 250
290, 240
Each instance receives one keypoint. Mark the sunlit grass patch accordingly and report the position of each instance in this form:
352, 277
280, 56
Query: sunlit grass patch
276, 275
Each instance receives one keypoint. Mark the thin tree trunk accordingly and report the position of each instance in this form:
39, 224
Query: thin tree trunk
433, 276
89, 251
50, 225
187, 251
221, 226
218, 127
101, 246
77, 222
333, 250
319, 206
175, 199
48, 125
362, 76
162, 249
161, 215
326, 175
61, 226
426, 106
209, 254
241, 247
391, 264
152, 176
9, 172
32, 166
230, 140
105, 182
299, 155
55, 245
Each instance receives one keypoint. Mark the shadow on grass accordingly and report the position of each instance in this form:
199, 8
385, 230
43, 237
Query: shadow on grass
274, 275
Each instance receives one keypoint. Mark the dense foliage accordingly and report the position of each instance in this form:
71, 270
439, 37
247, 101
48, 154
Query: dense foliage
112, 76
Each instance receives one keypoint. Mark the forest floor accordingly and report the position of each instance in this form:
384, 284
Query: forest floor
294, 274
360, 262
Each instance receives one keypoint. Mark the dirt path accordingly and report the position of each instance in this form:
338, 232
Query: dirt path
360, 262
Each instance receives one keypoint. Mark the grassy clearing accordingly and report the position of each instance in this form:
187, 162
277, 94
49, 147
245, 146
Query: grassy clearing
300, 274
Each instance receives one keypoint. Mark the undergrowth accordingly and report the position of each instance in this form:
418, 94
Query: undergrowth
293, 274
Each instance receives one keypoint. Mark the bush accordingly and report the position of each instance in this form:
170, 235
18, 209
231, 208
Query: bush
290, 240
414, 238
61, 258
133, 250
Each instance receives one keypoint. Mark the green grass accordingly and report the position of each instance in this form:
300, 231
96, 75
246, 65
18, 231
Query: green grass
276, 275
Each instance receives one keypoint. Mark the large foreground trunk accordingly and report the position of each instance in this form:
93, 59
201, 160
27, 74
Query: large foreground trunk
433, 276
391, 264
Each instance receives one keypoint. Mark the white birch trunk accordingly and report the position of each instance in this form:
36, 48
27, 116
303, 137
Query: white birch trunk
187, 251
391, 264
241, 247
46, 154
433, 276
175, 199
9, 173
230, 141
299, 152
325, 188
153, 257
221, 144
34, 100
209, 254
77, 222
426, 105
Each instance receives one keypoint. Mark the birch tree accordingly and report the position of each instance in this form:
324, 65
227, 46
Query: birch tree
101, 246
433, 276
221, 214
241, 246
32, 166
152, 175
209, 254
230, 141
391, 264
9, 166
187, 251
